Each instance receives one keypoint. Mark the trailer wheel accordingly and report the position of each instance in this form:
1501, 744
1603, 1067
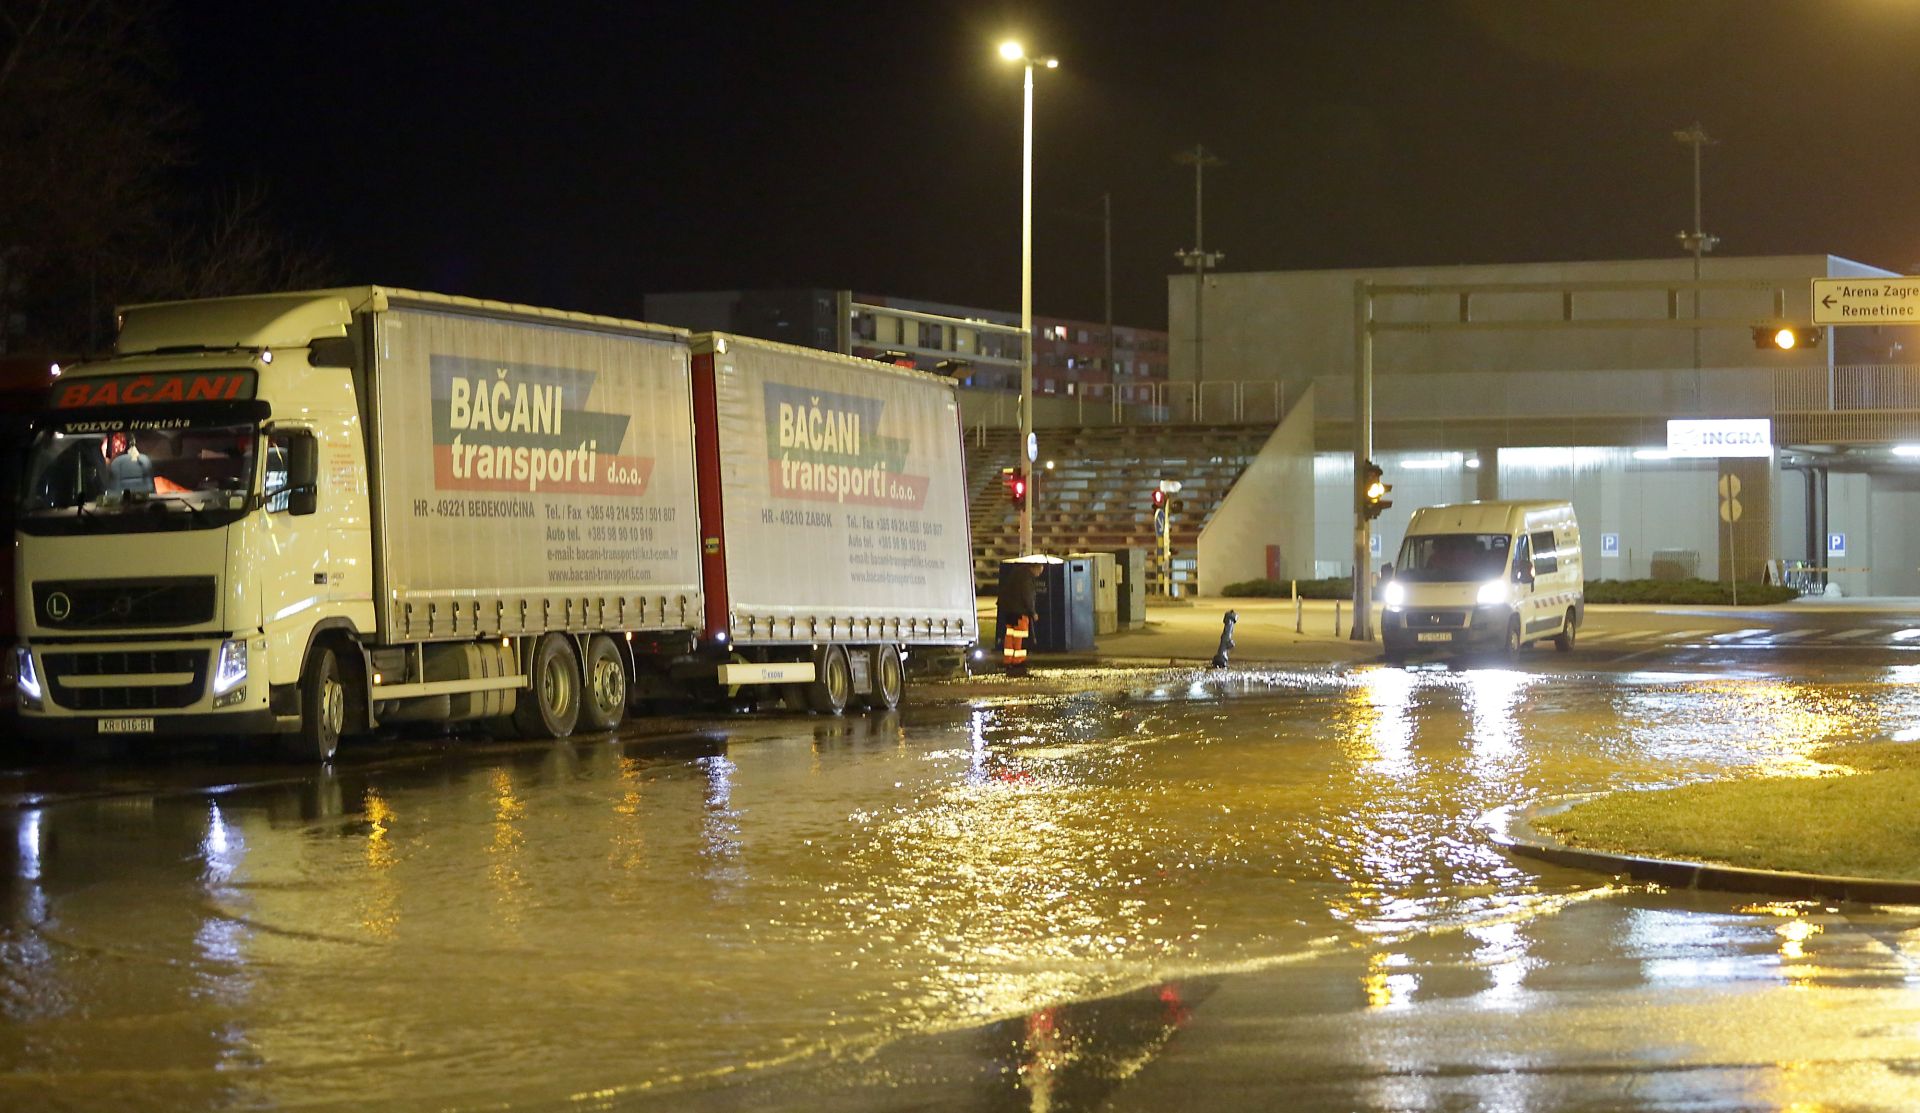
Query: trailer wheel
323, 709
832, 685
605, 706
889, 679
551, 708
1563, 641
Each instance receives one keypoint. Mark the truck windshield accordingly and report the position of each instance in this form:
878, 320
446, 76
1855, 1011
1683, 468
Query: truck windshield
139, 474
1452, 558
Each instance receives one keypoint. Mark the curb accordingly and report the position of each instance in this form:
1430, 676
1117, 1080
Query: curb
1512, 829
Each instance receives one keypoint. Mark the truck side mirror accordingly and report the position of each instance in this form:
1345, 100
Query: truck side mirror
303, 475
1523, 572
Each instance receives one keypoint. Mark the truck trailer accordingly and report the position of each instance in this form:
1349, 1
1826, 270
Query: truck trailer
305, 515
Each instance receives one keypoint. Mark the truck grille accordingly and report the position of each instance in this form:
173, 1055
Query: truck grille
1436, 620
119, 604
68, 675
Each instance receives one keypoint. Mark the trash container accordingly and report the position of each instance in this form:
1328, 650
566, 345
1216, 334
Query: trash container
1130, 579
1106, 591
1064, 596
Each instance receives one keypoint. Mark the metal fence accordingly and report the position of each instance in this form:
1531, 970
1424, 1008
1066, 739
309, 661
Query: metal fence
1245, 402
1849, 404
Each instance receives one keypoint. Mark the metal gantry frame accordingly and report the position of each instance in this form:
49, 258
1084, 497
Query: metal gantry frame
1366, 294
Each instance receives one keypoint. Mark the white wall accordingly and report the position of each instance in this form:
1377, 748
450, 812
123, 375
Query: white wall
1652, 504
1271, 504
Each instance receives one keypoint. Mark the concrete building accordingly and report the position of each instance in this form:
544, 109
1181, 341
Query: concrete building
1537, 405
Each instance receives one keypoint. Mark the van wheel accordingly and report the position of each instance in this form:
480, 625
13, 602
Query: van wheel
551, 708
1563, 641
889, 679
605, 705
832, 684
1512, 651
323, 710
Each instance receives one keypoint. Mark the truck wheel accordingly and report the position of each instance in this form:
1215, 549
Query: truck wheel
605, 706
551, 707
323, 709
1564, 640
889, 679
1512, 649
832, 684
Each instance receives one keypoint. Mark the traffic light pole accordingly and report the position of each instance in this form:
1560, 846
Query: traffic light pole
1362, 456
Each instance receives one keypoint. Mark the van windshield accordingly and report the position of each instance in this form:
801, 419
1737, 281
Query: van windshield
1452, 557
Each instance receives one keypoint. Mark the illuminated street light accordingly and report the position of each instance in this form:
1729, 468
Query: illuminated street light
1014, 52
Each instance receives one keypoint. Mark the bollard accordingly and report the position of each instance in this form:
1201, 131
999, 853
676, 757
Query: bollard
1336, 618
1226, 640
1298, 616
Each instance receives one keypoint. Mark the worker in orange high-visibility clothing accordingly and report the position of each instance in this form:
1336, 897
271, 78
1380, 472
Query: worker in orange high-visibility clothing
1014, 656
1017, 605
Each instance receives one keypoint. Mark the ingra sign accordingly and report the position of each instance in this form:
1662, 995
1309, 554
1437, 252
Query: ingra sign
1719, 437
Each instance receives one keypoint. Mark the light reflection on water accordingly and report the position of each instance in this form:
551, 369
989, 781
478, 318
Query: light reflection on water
609, 919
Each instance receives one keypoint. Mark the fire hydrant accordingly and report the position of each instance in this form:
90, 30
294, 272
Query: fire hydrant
1226, 640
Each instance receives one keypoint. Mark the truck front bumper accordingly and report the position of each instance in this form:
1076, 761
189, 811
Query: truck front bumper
204, 724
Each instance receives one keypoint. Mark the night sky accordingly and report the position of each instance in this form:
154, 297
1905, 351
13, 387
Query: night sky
582, 155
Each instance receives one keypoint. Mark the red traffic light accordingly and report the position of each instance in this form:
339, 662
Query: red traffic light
1159, 498
1016, 485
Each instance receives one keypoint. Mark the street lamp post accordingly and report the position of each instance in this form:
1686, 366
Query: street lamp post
1698, 242
1199, 258
1014, 52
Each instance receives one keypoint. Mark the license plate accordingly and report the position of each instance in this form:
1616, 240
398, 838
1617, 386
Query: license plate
126, 726
1434, 636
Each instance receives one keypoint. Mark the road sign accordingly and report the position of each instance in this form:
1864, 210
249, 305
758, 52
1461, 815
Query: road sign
1609, 546
1160, 521
1866, 301
1836, 544
1373, 544
1730, 498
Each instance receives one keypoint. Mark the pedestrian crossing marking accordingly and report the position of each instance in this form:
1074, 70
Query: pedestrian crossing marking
1849, 635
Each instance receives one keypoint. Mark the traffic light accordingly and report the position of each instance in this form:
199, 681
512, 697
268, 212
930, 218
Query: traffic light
1786, 337
1376, 491
1158, 498
1016, 486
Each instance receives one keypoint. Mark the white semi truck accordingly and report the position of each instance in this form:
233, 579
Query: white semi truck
305, 515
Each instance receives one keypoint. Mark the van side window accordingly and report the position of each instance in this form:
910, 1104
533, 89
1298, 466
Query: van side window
1545, 558
1522, 557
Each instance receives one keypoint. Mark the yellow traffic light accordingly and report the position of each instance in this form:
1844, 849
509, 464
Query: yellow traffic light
1785, 338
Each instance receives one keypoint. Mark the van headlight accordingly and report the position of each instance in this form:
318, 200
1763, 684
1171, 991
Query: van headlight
1393, 594
1494, 593
231, 669
24, 676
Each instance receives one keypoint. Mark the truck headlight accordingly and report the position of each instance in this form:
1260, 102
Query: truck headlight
27, 679
230, 670
1394, 594
1494, 593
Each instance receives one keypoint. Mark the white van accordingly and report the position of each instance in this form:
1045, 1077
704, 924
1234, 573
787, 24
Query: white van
1485, 575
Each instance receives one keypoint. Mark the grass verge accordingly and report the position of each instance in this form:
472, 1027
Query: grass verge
1863, 824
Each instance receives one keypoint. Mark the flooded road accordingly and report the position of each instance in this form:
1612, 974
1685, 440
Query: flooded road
993, 899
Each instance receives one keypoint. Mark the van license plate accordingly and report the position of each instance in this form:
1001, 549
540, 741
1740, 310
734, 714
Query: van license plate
126, 726
1435, 636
